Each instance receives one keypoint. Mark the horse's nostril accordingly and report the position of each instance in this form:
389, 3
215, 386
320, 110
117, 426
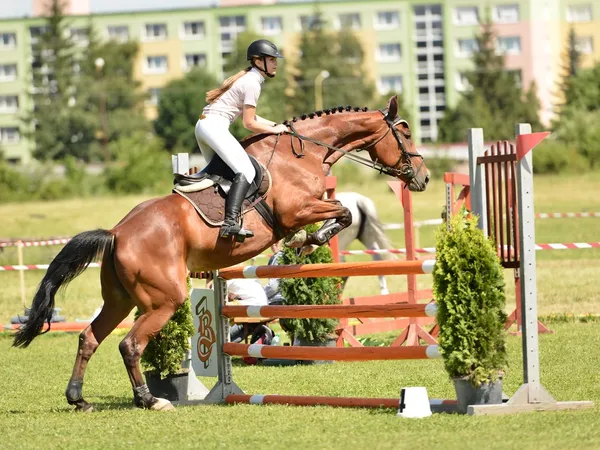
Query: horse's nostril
427, 179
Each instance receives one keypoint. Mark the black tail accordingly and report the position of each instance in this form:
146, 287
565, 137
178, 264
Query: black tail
69, 263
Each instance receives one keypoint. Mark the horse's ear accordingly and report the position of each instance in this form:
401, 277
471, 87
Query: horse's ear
393, 107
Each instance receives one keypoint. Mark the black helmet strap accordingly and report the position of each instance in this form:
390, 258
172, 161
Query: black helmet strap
264, 68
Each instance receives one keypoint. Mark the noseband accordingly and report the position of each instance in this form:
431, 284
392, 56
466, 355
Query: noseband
400, 168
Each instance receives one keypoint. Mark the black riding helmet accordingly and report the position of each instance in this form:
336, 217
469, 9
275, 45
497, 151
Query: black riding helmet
262, 48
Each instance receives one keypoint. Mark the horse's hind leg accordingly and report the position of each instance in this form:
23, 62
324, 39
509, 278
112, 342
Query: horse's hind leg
117, 305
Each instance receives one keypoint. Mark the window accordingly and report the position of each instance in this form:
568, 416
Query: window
194, 60
119, 33
9, 135
585, 44
466, 15
155, 32
462, 83
387, 20
390, 83
309, 22
349, 21
156, 64
79, 36
465, 47
8, 72
510, 45
9, 104
36, 32
8, 40
153, 96
229, 28
506, 14
579, 13
389, 52
271, 25
193, 30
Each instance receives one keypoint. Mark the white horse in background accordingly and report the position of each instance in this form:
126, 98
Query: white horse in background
365, 227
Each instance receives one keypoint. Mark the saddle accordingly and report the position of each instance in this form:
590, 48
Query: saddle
207, 191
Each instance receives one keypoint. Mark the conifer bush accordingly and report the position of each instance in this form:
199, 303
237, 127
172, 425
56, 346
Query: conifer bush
468, 286
163, 354
310, 291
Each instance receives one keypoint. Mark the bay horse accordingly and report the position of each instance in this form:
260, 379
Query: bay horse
146, 257
366, 227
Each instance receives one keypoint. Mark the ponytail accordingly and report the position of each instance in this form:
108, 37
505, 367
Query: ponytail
214, 94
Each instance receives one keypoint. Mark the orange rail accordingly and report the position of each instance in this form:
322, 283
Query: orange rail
332, 353
351, 269
348, 402
330, 311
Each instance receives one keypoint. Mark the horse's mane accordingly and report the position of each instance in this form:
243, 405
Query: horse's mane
249, 140
327, 112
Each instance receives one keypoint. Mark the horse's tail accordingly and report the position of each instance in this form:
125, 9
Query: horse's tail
73, 259
370, 224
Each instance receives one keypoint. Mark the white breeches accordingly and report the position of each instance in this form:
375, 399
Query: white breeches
213, 136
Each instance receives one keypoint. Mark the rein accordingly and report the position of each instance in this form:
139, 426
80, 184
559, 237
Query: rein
405, 169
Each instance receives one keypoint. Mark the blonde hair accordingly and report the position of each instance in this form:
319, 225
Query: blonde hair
214, 94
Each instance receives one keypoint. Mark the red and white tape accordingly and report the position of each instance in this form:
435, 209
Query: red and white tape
48, 242
33, 267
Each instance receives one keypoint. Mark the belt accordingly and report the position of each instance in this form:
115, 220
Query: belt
204, 115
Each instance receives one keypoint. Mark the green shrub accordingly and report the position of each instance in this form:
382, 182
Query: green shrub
310, 291
468, 285
553, 156
142, 165
168, 349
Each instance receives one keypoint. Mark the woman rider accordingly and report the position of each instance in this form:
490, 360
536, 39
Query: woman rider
238, 95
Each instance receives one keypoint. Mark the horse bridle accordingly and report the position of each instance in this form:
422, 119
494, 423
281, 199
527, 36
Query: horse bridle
400, 168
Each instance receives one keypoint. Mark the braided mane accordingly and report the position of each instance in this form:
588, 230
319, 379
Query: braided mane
326, 112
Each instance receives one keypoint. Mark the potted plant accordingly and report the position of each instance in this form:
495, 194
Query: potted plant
310, 291
468, 285
166, 357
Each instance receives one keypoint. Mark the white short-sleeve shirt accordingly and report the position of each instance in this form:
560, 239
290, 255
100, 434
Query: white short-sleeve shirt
244, 91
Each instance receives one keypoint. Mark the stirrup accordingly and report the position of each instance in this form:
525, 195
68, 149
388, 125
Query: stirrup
236, 230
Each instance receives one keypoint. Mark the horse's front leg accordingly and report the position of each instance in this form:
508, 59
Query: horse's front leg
336, 218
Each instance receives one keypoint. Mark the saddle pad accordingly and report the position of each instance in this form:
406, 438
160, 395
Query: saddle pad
210, 203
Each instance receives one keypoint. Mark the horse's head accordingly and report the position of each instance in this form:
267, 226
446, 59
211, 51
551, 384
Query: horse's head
397, 151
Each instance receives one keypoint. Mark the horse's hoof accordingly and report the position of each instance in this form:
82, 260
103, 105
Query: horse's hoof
87, 408
162, 404
297, 239
307, 250
385, 292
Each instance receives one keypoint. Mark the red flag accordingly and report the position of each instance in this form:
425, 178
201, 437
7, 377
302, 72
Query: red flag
526, 142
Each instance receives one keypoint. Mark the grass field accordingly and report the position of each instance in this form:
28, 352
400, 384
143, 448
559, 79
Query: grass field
566, 277
34, 413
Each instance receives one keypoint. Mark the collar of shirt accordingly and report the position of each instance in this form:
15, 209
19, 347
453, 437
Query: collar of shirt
258, 74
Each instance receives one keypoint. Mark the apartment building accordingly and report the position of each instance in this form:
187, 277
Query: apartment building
420, 48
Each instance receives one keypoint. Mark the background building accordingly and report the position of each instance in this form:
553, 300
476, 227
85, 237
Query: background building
419, 48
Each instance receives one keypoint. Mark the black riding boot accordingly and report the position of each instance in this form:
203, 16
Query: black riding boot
233, 210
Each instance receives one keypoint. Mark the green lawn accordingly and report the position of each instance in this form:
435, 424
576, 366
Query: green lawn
34, 413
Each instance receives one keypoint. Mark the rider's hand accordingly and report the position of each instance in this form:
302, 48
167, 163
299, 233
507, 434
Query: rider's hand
281, 128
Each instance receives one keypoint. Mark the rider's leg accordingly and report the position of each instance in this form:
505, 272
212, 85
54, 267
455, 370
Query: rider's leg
213, 132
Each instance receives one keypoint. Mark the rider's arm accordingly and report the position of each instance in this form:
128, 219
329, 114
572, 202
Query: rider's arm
257, 124
267, 122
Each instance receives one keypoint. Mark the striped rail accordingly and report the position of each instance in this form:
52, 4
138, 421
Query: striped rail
351, 269
330, 311
347, 402
332, 353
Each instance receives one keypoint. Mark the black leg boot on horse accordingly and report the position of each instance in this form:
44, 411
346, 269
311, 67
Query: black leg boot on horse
232, 225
